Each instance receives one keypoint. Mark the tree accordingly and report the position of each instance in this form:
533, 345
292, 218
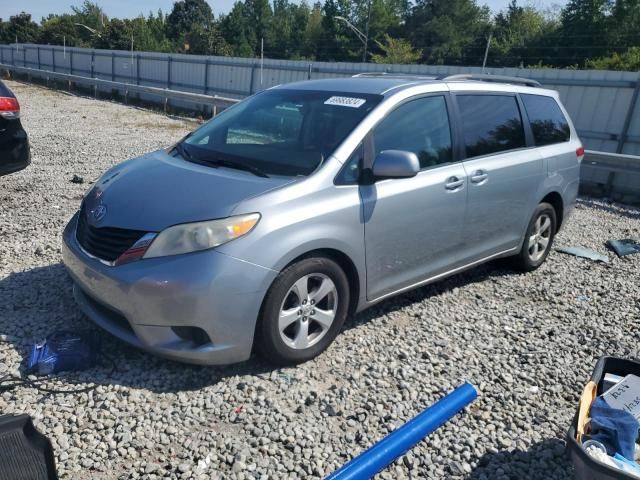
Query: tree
519, 36
21, 27
90, 15
337, 42
186, 16
384, 17
258, 15
116, 35
396, 50
449, 31
207, 41
286, 29
585, 31
237, 32
56, 29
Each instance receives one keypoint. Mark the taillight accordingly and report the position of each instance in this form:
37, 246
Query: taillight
9, 108
580, 153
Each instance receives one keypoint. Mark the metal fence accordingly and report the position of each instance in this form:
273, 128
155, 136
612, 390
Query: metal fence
604, 105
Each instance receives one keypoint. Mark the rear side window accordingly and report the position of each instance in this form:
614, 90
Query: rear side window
548, 123
491, 124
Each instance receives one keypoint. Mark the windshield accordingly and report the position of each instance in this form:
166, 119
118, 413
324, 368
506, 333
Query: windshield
279, 132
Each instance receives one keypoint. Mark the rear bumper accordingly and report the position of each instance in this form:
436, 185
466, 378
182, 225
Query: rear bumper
15, 155
142, 302
570, 196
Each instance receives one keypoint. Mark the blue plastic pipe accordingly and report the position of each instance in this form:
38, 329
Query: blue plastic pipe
398, 442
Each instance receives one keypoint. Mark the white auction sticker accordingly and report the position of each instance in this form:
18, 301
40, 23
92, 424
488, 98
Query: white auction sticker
346, 102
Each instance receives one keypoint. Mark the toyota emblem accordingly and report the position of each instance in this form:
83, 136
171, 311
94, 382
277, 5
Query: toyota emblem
99, 212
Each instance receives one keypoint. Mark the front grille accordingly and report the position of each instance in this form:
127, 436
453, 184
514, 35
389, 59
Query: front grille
105, 243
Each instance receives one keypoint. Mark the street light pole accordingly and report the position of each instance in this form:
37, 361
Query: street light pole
92, 30
361, 36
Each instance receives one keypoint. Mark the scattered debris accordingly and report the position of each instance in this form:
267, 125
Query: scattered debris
584, 253
624, 247
77, 179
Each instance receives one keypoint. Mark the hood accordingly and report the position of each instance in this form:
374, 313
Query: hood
157, 190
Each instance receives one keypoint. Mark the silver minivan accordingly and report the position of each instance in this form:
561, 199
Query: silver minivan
271, 223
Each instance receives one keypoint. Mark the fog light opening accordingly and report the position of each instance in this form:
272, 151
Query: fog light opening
195, 335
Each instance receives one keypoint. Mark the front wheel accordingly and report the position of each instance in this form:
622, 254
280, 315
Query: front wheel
303, 311
538, 239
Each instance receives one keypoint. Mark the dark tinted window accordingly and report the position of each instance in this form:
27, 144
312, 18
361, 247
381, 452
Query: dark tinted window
548, 123
420, 126
491, 123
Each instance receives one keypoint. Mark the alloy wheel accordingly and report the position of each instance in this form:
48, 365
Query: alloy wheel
540, 237
308, 311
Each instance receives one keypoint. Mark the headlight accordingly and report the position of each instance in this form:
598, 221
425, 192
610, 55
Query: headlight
192, 237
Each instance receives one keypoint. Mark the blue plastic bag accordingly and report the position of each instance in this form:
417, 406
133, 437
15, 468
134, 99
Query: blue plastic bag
63, 351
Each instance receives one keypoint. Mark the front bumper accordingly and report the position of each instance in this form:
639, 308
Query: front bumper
140, 302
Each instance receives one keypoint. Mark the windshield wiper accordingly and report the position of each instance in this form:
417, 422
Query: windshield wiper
221, 162
182, 151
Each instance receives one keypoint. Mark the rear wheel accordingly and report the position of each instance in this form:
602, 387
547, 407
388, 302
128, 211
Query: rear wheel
539, 238
303, 311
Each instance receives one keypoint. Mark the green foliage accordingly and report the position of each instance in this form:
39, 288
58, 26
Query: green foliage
519, 35
583, 34
449, 31
187, 15
629, 60
396, 50
19, 27
58, 28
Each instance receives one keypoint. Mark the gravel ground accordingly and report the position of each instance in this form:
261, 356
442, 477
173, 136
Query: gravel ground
528, 341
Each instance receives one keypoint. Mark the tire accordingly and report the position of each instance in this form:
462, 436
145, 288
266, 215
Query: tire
288, 313
532, 255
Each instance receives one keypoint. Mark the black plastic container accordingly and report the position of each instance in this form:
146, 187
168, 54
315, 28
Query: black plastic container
25, 453
586, 468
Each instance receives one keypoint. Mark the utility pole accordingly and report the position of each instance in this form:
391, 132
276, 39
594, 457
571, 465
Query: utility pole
366, 33
64, 47
132, 58
486, 52
261, 58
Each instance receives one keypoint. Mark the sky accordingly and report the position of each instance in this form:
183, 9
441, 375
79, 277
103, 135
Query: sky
133, 8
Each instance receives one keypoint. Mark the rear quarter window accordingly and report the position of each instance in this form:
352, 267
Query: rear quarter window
548, 123
491, 124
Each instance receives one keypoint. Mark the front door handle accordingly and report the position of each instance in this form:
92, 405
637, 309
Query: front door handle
454, 183
479, 176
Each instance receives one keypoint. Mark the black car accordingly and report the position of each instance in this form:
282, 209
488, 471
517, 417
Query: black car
14, 144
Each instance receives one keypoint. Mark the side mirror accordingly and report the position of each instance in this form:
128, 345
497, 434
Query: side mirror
395, 164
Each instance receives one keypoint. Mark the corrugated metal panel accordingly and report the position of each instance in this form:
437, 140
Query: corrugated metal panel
102, 66
153, 71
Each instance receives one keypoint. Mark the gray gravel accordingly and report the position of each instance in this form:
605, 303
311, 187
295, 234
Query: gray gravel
527, 341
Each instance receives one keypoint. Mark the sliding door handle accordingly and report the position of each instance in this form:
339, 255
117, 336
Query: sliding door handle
479, 176
454, 183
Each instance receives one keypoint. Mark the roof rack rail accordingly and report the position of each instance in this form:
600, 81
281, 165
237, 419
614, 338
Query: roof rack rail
392, 74
369, 74
483, 77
